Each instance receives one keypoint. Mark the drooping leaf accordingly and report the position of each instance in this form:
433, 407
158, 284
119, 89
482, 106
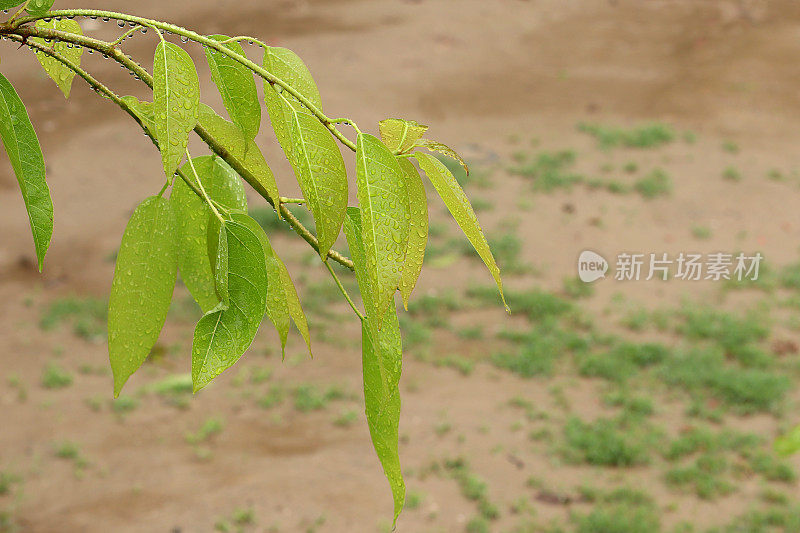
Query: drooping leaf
400, 135
418, 230
220, 261
385, 216
283, 304
60, 73
144, 279
176, 102
25, 154
381, 365
435, 146
39, 7
255, 163
237, 86
458, 204
144, 111
309, 146
192, 216
223, 334
228, 134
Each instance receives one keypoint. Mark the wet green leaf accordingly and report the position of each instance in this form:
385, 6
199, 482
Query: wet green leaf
381, 364
8, 4
435, 146
226, 133
143, 110
25, 154
237, 86
385, 216
400, 135
458, 204
192, 216
283, 303
176, 102
418, 230
144, 279
224, 333
39, 7
309, 146
60, 73
254, 162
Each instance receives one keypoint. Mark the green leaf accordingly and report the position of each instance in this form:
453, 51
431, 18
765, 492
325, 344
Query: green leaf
399, 135
381, 364
283, 303
237, 86
144, 279
435, 146
224, 333
192, 216
385, 216
25, 154
255, 163
418, 230
176, 102
308, 144
458, 204
220, 261
39, 7
60, 73
228, 134
8, 4
144, 111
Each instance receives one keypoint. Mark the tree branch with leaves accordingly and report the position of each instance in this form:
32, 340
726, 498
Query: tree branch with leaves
197, 224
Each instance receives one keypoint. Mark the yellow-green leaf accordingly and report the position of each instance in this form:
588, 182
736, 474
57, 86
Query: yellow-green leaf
399, 135
143, 111
418, 230
237, 86
283, 303
144, 278
176, 102
458, 204
226, 332
25, 154
308, 145
60, 73
39, 7
435, 146
381, 359
192, 222
226, 133
383, 200
254, 162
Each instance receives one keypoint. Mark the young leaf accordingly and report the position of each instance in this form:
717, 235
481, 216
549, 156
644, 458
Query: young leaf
8, 4
458, 204
383, 200
176, 102
22, 147
237, 86
435, 146
399, 135
418, 230
381, 352
283, 304
60, 73
144, 278
192, 216
39, 7
228, 134
224, 333
144, 111
309, 146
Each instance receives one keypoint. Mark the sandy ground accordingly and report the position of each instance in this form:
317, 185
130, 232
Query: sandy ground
482, 74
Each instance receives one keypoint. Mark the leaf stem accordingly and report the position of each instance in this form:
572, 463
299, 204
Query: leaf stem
202, 189
285, 200
358, 313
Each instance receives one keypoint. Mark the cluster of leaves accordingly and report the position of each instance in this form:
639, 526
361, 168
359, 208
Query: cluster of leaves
202, 228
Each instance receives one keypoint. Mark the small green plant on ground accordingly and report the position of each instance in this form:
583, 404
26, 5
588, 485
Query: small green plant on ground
645, 136
654, 184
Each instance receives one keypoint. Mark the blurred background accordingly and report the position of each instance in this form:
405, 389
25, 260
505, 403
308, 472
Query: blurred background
659, 126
